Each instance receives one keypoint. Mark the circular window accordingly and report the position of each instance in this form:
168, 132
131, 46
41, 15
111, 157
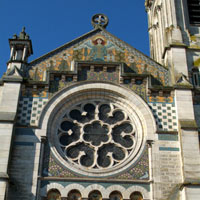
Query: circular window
96, 135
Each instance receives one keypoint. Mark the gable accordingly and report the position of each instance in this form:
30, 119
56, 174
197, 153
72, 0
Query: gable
96, 46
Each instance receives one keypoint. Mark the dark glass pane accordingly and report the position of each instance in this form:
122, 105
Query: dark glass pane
194, 11
66, 125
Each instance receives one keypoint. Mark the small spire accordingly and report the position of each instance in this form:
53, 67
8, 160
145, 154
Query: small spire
22, 34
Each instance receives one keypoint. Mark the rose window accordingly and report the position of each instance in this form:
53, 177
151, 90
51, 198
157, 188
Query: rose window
96, 135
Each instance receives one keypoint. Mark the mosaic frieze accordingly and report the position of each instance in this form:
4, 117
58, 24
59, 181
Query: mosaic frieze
98, 75
99, 48
139, 171
161, 99
38, 93
103, 76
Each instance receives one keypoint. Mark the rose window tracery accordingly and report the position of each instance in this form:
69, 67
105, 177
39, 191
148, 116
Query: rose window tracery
96, 135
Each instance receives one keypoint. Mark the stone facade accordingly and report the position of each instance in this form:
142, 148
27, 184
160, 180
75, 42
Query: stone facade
97, 119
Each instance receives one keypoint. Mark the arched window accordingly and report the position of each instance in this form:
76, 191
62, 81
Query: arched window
115, 196
136, 196
74, 195
95, 195
53, 194
195, 77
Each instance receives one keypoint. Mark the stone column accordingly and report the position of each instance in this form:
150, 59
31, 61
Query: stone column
43, 141
189, 144
150, 143
8, 108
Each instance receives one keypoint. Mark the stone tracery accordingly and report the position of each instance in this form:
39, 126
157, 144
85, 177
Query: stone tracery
96, 135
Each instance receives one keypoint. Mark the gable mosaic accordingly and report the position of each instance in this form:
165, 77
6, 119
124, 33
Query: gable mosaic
97, 48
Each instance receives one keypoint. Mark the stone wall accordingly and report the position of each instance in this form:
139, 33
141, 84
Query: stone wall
166, 165
24, 161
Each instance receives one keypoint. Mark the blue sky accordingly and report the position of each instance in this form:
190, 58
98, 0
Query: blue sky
51, 24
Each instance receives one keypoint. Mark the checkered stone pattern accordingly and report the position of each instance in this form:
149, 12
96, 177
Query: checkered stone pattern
29, 110
165, 116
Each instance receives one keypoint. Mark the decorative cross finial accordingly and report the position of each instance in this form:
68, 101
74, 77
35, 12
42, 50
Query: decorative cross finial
99, 20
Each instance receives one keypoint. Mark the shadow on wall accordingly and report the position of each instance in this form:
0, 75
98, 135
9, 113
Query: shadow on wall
22, 161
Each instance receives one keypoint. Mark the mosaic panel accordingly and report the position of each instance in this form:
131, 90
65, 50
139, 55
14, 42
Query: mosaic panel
165, 115
139, 171
29, 110
58, 84
138, 89
142, 62
103, 76
98, 48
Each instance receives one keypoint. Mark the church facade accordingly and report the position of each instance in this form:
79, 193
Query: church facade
97, 119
